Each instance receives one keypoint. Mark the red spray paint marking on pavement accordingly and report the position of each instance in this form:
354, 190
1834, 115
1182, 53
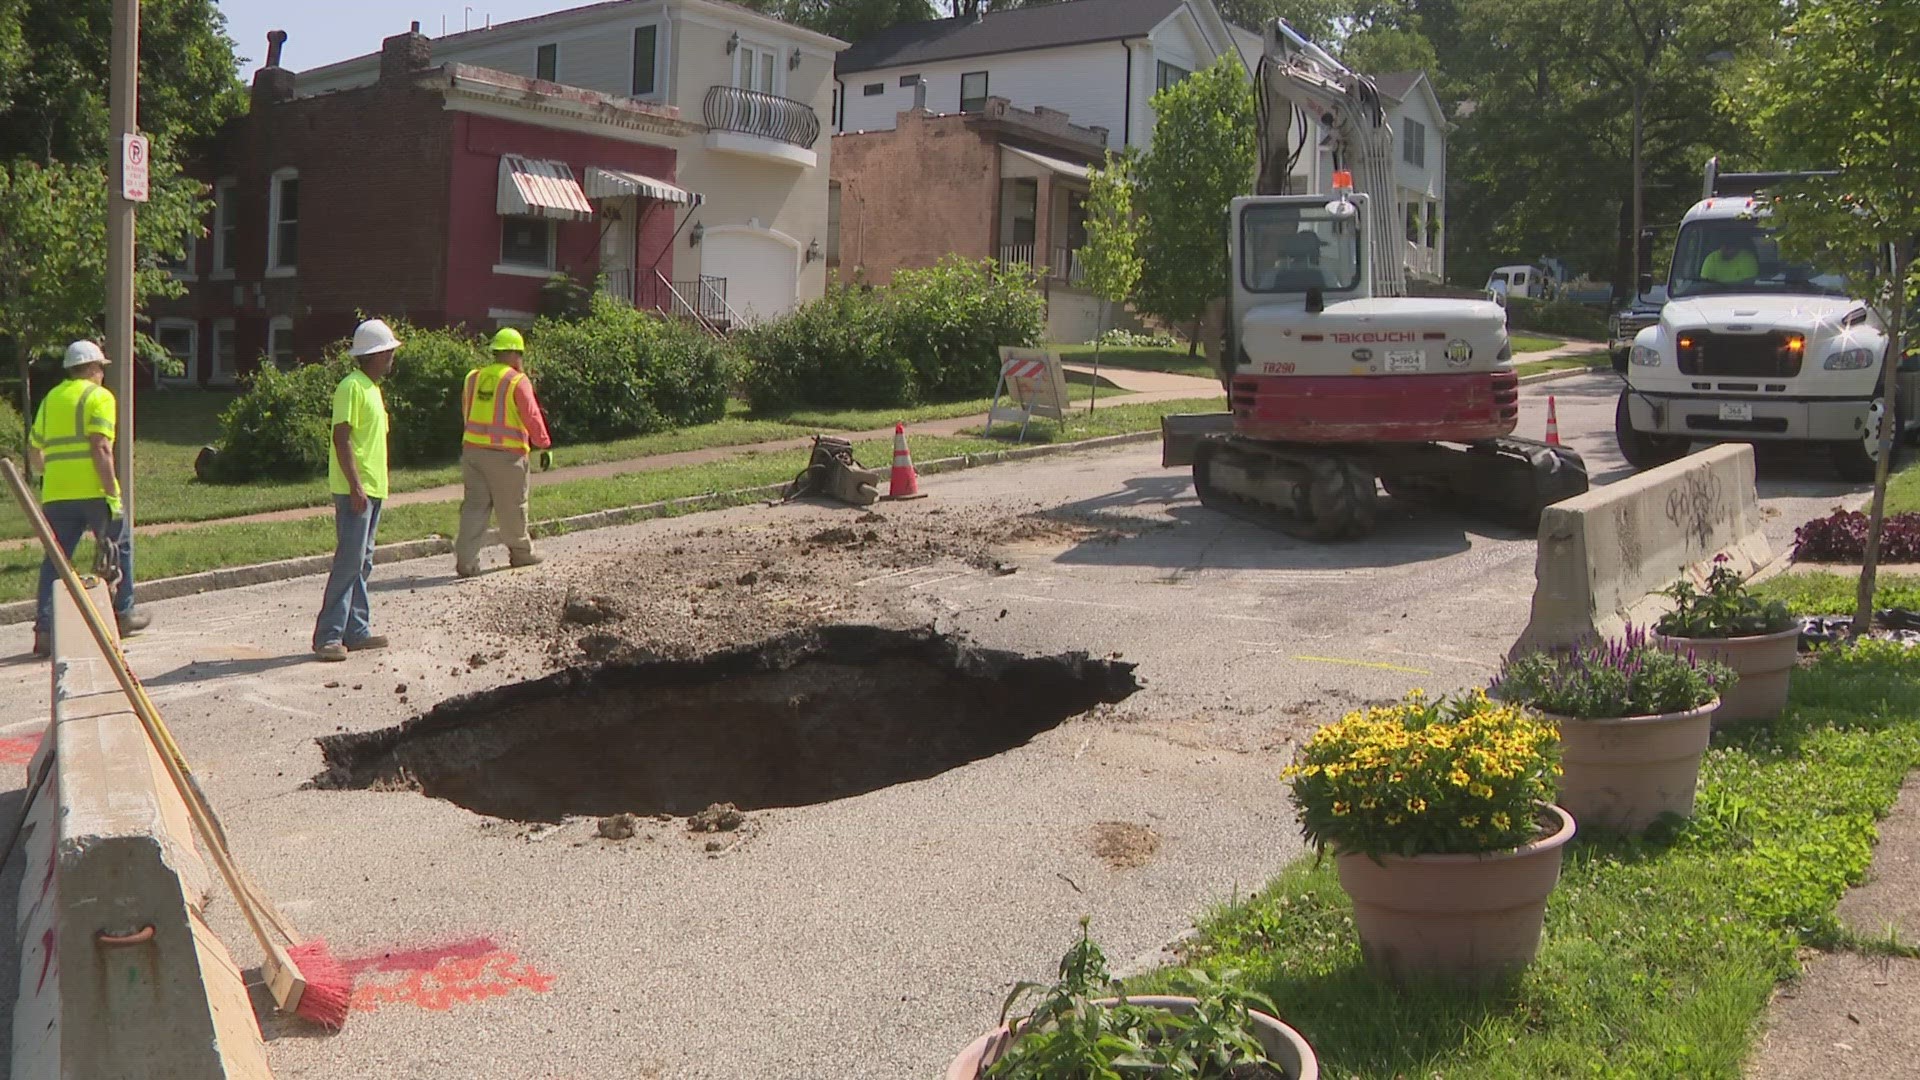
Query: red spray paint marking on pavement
20, 750
441, 977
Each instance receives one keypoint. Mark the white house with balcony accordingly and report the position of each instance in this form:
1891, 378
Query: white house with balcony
1098, 61
758, 92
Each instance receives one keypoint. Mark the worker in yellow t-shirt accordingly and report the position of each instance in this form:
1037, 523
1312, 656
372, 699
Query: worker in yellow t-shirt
71, 447
1733, 263
357, 477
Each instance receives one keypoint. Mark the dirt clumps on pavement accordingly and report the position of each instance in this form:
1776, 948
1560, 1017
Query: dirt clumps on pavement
616, 827
720, 817
1123, 845
711, 588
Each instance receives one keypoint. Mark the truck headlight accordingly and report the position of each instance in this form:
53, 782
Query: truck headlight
1646, 357
1850, 360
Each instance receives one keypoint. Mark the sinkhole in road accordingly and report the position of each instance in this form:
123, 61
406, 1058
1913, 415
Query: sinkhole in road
806, 718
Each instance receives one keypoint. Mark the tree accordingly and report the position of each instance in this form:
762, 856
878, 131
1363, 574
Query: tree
849, 20
1110, 259
1378, 49
1202, 157
1843, 96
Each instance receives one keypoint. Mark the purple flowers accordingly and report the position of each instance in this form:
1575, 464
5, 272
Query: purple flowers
1632, 675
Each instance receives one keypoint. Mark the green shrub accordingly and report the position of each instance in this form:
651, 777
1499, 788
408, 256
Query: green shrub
13, 432
278, 429
836, 352
1556, 317
934, 333
423, 393
622, 372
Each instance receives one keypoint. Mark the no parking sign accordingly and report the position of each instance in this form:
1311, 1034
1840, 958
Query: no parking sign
134, 152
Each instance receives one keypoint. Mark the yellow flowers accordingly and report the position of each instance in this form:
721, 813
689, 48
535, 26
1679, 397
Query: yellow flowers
1457, 773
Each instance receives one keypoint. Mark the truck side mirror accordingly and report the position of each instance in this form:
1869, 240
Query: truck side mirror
1645, 283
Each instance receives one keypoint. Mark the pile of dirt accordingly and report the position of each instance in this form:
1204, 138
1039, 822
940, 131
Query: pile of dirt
713, 588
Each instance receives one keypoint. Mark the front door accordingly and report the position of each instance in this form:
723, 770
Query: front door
617, 249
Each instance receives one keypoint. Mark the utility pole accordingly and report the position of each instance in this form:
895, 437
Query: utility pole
1633, 271
123, 109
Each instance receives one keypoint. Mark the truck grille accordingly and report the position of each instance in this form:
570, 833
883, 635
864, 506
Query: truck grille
1774, 355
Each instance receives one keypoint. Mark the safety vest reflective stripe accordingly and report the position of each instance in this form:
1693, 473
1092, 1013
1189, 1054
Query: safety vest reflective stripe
65, 476
500, 434
79, 436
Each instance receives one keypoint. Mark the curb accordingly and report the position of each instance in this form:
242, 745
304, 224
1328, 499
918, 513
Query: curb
234, 577
1561, 373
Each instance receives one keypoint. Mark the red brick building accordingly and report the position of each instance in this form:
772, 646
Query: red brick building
440, 194
997, 182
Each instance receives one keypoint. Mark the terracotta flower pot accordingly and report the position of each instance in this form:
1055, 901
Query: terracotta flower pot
1624, 773
1283, 1045
1455, 916
1764, 664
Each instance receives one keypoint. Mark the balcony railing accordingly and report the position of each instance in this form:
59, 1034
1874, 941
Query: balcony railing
769, 116
1064, 267
704, 299
618, 284
1012, 255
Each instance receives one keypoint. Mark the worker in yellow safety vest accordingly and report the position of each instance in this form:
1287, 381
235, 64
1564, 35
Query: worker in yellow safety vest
503, 422
71, 447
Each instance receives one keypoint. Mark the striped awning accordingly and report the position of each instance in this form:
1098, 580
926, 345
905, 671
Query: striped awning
616, 184
542, 189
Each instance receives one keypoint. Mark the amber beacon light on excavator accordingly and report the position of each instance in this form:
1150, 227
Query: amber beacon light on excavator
1334, 377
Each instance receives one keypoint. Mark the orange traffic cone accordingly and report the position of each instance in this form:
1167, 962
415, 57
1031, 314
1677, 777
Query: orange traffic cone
905, 482
1553, 423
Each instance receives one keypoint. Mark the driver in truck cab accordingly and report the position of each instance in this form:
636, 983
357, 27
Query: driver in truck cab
1733, 263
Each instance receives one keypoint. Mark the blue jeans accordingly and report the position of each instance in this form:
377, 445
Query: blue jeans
71, 519
343, 613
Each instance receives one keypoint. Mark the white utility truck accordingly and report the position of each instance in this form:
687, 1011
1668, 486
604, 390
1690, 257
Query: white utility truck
1753, 348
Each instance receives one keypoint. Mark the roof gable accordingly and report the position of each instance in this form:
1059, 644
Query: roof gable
1072, 22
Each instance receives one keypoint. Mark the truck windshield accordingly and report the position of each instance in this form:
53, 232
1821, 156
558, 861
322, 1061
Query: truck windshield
1739, 255
1293, 247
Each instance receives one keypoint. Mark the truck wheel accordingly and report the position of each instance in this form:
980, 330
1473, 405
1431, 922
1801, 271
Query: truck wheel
1645, 450
1856, 460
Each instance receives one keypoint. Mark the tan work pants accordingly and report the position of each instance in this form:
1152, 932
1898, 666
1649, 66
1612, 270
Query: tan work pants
497, 481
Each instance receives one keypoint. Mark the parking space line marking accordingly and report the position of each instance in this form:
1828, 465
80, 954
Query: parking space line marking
938, 580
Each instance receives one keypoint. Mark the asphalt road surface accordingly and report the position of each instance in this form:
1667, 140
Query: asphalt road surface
866, 938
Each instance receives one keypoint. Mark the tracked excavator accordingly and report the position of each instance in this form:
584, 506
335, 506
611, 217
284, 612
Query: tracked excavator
1335, 378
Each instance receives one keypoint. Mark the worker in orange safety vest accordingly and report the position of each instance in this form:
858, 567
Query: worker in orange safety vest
503, 423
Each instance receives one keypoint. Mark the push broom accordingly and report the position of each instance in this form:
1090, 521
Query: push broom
302, 975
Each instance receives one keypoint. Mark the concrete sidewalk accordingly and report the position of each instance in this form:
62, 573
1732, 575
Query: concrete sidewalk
1850, 1014
1158, 389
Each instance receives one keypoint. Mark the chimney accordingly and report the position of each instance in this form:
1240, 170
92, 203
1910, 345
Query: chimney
920, 93
404, 54
273, 83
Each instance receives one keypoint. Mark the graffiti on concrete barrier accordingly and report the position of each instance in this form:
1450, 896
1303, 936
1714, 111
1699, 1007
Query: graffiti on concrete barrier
441, 977
1694, 504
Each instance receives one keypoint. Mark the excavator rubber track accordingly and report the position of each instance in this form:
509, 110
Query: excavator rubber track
1329, 492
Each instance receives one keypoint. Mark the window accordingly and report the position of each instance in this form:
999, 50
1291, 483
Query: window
973, 91
280, 343
909, 81
646, 53
1287, 247
223, 352
226, 226
1413, 222
181, 266
1165, 75
546, 63
756, 68
181, 339
873, 89
526, 242
283, 224
1433, 224
1413, 143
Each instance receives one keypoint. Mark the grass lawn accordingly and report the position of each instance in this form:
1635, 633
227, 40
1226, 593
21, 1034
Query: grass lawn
1659, 954
1561, 363
171, 427
1823, 592
1526, 343
218, 545
1175, 361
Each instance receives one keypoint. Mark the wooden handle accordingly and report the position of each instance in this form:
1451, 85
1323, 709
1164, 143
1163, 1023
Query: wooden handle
283, 976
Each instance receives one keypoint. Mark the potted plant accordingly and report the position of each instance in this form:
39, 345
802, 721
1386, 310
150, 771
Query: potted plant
1634, 716
1760, 641
1073, 1032
1439, 814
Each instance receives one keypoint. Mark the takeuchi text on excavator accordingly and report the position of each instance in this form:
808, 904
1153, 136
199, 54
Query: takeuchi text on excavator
1335, 378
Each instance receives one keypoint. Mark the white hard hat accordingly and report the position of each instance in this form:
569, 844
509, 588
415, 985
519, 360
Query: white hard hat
373, 336
83, 352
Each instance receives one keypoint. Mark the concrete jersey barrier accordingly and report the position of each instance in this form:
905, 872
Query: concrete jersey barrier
120, 979
1603, 553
